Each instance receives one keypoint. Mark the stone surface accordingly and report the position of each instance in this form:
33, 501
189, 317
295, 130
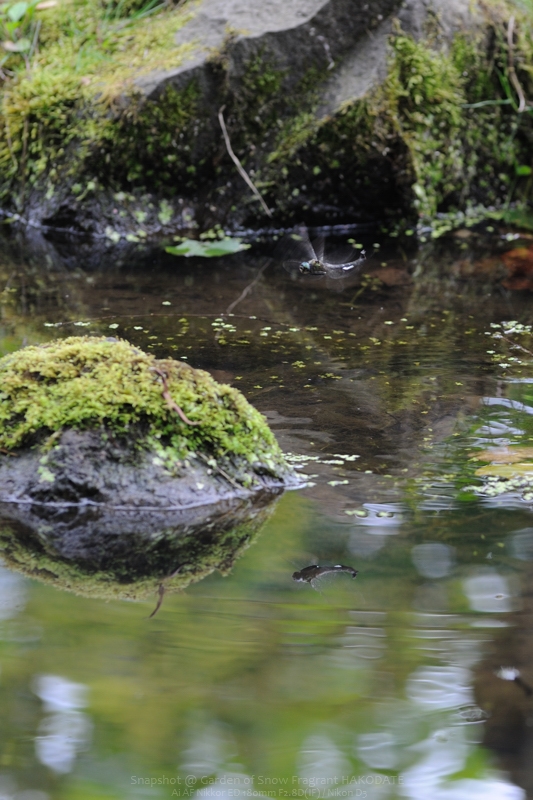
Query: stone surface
284, 73
295, 34
349, 37
115, 523
91, 468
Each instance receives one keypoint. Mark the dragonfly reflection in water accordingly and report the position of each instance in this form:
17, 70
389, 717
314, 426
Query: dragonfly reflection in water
301, 255
314, 572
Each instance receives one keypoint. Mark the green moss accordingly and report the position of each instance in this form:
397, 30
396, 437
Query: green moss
420, 140
259, 96
156, 142
84, 382
64, 110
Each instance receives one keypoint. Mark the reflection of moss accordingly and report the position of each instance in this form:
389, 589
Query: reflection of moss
193, 553
83, 382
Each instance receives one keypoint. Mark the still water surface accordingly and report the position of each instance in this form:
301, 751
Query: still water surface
255, 685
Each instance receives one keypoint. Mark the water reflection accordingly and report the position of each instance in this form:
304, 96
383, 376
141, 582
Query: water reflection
321, 763
362, 544
440, 687
431, 597
209, 748
488, 592
104, 552
378, 750
12, 594
433, 559
444, 754
246, 684
65, 730
521, 543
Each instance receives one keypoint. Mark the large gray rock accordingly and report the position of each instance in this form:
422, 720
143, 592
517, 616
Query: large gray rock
348, 37
285, 74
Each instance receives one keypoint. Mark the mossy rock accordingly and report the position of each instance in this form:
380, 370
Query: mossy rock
89, 382
119, 471
394, 111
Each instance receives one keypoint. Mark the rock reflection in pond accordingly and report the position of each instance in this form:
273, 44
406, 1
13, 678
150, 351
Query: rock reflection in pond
101, 552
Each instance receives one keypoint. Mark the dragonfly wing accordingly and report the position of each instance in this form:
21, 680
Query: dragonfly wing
292, 266
295, 246
338, 271
318, 247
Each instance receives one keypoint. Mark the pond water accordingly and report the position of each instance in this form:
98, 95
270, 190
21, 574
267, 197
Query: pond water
380, 387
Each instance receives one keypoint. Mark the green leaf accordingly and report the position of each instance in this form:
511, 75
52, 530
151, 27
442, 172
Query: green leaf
519, 218
22, 46
17, 11
523, 169
223, 247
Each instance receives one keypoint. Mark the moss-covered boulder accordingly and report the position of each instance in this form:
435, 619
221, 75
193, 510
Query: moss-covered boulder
340, 110
120, 472
95, 420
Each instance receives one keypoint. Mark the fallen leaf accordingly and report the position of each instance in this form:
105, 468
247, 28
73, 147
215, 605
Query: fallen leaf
506, 470
504, 455
519, 264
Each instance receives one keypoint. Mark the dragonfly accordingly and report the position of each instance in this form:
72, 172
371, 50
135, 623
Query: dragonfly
301, 255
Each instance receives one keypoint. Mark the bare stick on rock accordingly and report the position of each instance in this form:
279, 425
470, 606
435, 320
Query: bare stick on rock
242, 172
512, 72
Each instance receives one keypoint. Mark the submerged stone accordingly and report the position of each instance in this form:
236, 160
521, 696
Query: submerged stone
133, 467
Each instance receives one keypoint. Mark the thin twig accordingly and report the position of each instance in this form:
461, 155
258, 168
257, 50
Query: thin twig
161, 592
35, 42
242, 172
219, 469
247, 289
515, 344
512, 72
168, 398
